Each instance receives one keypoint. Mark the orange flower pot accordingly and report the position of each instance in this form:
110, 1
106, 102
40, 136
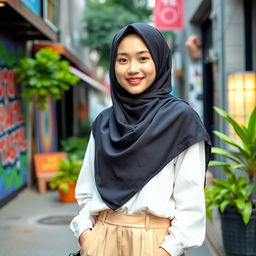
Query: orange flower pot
69, 196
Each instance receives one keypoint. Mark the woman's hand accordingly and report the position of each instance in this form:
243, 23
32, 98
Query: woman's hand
83, 236
162, 252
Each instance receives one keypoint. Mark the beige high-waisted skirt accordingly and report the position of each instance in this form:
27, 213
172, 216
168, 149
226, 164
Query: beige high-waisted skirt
117, 234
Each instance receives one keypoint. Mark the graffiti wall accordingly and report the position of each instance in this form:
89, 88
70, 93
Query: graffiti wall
13, 162
46, 128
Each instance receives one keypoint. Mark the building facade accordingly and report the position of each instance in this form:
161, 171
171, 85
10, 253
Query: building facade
25, 27
216, 43
20, 21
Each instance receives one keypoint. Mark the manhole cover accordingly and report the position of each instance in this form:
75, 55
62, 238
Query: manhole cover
56, 220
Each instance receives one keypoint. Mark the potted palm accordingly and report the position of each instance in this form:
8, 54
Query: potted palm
234, 196
65, 179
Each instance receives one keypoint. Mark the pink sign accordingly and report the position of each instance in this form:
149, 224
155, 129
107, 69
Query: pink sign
168, 15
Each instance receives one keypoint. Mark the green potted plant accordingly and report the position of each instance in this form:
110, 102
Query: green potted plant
74, 146
234, 196
44, 75
65, 179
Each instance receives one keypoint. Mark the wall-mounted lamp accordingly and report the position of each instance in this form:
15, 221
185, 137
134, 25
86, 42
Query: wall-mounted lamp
241, 94
2, 3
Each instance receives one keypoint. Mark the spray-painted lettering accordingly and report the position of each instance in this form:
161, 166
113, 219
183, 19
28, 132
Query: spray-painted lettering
12, 133
13, 159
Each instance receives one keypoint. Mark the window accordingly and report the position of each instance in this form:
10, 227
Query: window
51, 13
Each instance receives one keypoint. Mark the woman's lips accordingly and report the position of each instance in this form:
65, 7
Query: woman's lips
134, 80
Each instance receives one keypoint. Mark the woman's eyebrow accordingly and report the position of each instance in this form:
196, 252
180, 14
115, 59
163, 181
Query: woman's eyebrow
122, 53
141, 52
125, 54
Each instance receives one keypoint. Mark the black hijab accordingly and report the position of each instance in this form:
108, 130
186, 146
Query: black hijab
140, 134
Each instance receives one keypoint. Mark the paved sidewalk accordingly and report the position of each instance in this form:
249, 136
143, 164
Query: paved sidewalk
26, 227
22, 235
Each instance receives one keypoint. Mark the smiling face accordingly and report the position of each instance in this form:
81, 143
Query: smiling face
134, 67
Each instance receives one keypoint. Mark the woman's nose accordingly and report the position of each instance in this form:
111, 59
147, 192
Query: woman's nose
133, 67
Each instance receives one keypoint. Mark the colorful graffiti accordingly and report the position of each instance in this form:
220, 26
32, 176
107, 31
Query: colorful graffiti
13, 162
9, 58
46, 128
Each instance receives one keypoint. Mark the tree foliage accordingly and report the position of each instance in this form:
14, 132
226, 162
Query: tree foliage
102, 20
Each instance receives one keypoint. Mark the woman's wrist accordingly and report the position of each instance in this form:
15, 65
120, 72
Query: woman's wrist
163, 252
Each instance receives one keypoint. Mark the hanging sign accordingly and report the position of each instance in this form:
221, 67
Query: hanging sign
34, 5
47, 163
168, 15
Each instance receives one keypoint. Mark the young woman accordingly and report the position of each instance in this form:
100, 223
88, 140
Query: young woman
141, 186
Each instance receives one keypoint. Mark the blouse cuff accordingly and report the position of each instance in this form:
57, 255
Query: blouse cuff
79, 224
171, 247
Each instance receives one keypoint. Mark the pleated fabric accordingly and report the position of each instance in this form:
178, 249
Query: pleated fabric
117, 234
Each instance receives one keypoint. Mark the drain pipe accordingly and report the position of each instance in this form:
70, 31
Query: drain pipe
223, 64
248, 34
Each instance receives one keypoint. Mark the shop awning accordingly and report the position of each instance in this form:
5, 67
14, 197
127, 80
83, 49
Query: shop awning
59, 48
95, 84
22, 24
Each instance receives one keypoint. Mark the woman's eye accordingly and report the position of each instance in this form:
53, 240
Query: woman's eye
144, 58
122, 60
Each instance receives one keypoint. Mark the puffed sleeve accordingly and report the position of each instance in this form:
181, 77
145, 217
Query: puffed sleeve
84, 192
189, 223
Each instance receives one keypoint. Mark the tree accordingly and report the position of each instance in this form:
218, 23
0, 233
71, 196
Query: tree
102, 20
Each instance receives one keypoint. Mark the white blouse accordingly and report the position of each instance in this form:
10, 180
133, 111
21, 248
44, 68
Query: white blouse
176, 192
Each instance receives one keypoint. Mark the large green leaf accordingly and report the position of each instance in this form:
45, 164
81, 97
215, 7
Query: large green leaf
247, 211
237, 166
222, 194
226, 153
214, 163
240, 204
224, 204
222, 183
232, 142
241, 181
209, 210
248, 190
252, 126
238, 129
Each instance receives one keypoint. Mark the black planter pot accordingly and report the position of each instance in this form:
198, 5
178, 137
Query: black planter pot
238, 239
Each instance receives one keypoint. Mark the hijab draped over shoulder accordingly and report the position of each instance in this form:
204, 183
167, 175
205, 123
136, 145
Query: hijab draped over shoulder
140, 134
